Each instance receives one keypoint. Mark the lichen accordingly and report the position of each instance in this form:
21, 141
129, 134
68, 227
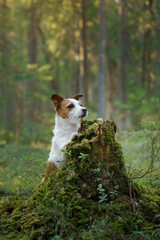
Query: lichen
87, 199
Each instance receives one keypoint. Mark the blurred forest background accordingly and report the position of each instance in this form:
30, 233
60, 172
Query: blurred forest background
68, 47
107, 50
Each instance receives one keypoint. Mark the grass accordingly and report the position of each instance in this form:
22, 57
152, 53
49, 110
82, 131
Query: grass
21, 167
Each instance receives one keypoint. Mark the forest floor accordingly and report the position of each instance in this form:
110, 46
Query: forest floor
22, 167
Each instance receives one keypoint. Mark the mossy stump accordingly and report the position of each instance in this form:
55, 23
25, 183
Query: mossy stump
91, 187
94, 157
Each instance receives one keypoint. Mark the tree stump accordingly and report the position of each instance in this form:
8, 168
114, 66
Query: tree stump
94, 157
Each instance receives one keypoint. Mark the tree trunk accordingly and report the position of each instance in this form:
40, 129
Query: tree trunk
112, 89
123, 61
3, 50
146, 60
102, 59
83, 52
78, 83
146, 53
123, 52
157, 84
32, 34
32, 54
77, 79
7, 90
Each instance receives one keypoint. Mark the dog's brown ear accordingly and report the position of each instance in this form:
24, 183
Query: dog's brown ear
77, 96
57, 100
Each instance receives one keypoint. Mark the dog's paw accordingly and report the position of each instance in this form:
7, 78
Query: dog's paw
74, 136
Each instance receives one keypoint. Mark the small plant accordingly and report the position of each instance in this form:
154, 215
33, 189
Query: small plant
115, 192
83, 156
97, 170
103, 197
66, 153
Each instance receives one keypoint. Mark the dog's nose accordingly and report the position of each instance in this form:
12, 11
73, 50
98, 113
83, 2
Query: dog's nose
84, 110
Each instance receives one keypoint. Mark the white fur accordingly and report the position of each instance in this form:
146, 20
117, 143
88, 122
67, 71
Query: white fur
65, 129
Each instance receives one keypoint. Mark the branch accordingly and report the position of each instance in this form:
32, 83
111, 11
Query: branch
130, 195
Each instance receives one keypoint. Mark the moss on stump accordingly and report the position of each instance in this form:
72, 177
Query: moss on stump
87, 199
95, 158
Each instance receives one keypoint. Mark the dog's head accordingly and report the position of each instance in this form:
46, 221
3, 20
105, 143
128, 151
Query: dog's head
70, 108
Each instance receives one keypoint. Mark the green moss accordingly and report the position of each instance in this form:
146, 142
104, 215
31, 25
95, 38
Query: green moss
87, 199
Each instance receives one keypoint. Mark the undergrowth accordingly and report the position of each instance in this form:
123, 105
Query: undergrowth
88, 198
21, 167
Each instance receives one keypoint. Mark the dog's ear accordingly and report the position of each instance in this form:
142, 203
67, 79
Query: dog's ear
77, 96
57, 100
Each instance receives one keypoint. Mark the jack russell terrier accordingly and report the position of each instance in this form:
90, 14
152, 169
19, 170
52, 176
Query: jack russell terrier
69, 113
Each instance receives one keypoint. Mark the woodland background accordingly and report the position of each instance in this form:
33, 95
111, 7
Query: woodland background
107, 50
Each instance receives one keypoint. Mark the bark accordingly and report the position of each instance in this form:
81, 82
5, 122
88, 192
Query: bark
102, 59
4, 51
157, 85
32, 55
123, 53
146, 61
32, 34
112, 89
146, 52
8, 111
123, 63
78, 82
83, 52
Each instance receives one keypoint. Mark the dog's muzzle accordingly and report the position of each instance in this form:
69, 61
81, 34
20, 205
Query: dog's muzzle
84, 113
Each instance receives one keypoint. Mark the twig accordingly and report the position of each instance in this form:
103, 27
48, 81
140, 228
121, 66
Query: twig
130, 195
152, 161
146, 173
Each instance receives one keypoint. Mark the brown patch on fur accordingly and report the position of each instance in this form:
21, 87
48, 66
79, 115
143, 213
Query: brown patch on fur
57, 100
61, 105
50, 168
63, 111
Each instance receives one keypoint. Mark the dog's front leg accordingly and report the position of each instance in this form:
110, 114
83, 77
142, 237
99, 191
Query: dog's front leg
74, 136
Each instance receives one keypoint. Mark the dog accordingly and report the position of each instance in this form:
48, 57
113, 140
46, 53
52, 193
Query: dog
69, 113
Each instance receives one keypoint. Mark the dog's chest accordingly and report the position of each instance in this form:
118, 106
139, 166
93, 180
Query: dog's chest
64, 135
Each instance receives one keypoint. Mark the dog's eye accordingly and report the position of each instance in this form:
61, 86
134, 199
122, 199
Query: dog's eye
80, 104
70, 106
